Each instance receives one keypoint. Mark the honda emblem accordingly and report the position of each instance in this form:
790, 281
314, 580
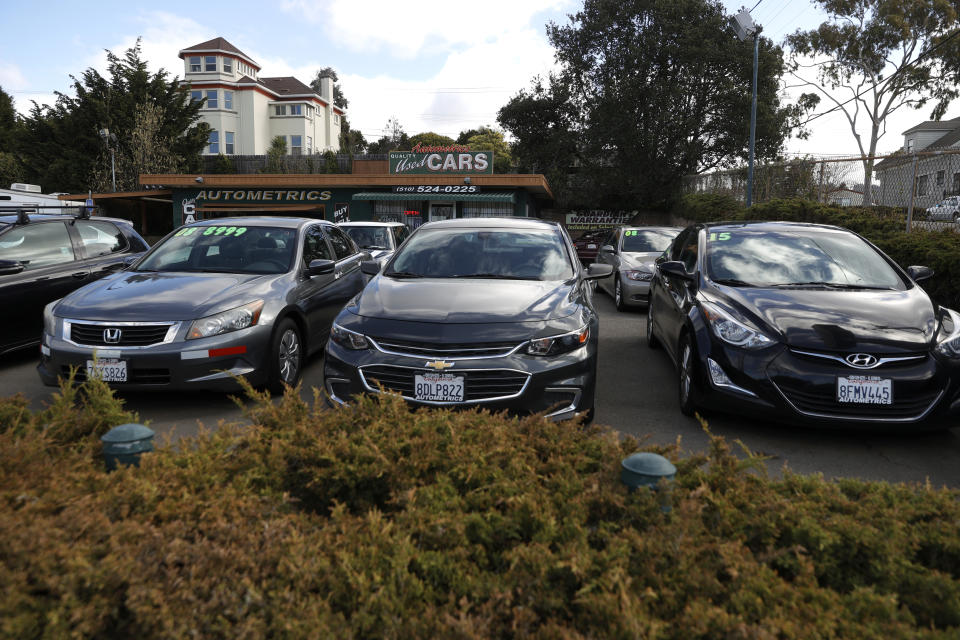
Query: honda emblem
111, 336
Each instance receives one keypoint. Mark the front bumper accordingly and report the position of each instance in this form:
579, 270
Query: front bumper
634, 292
562, 387
206, 363
800, 387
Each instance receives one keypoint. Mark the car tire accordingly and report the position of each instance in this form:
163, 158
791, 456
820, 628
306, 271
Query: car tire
687, 377
286, 356
652, 340
618, 294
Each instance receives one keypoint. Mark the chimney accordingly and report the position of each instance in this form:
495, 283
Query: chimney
326, 86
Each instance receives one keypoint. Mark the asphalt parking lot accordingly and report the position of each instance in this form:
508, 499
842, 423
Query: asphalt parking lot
637, 396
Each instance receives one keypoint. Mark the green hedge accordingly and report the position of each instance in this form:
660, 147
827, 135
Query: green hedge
884, 226
379, 522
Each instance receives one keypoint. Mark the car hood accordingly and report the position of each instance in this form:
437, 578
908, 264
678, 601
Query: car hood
842, 320
629, 260
132, 295
466, 301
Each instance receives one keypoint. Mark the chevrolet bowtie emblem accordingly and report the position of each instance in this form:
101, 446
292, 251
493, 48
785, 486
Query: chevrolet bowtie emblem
439, 365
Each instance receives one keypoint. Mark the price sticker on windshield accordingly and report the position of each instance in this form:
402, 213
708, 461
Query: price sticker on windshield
213, 231
720, 237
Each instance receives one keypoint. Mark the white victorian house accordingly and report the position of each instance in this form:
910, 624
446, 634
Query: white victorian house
246, 111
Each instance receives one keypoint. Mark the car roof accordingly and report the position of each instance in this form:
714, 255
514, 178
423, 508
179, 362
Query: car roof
769, 225
257, 221
493, 223
370, 223
11, 218
652, 226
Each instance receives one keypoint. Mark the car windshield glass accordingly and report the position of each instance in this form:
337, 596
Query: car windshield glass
224, 249
369, 237
528, 254
806, 257
647, 240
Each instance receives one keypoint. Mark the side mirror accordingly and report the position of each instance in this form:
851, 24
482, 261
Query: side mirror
675, 268
320, 267
607, 248
370, 267
10, 267
596, 271
919, 273
128, 261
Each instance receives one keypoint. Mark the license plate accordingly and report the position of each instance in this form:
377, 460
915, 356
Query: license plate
107, 369
865, 390
591, 246
438, 387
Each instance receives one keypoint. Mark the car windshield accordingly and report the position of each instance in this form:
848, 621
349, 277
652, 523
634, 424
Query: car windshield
521, 254
806, 257
369, 237
647, 240
224, 249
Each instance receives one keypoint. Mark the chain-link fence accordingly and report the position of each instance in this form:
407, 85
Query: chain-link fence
924, 185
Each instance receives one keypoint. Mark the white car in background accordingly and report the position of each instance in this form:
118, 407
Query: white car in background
949, 209
379, 239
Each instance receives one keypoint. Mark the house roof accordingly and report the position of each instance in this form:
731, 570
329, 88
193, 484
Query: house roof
935, 125
217, 44
287, 85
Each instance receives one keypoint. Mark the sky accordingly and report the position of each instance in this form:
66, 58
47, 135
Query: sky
434, 65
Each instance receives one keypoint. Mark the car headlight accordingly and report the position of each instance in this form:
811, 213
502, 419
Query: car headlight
641, 276
348, 339
50, 320
732, 331
226, 321
555, 345
950, 345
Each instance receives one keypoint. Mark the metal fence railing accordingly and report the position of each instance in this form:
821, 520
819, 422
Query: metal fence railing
313, 163
925, 185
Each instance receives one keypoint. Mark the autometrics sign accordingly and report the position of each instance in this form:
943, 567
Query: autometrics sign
438, 160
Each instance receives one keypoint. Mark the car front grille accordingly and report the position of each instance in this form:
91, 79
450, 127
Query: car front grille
130, 335
479, 384
447, 350
822, 400
134, 376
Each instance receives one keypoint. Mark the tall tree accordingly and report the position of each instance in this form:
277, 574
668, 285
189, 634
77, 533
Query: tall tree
61, 148
351, 140
394, 138
647, 91
277, 155
487, 139
10, 169
431, 139
882, 56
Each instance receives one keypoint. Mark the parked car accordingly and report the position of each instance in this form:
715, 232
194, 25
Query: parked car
631, 251
492, 312
949, 209
379, 239
251, 296
588, 245
805, 323
44, 257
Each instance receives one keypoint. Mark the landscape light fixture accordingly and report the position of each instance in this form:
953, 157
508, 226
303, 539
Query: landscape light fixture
198, 179
110, 139
466, 180
745, 28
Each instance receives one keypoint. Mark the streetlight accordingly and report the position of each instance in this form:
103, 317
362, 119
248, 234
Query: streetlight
744, 27
110, 139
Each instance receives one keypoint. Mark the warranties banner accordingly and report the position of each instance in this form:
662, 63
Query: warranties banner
597, 219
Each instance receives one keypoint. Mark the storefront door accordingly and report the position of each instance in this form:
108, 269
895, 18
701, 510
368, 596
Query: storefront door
441, 211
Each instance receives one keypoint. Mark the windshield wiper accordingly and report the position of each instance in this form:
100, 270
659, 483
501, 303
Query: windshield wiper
403, 274
372, 246
733, 282
829, 285
497, 276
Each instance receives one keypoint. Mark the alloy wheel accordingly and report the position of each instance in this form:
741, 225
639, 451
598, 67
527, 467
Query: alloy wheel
289, 356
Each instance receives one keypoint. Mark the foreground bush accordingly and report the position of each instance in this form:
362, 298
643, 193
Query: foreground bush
378, 522
883, 226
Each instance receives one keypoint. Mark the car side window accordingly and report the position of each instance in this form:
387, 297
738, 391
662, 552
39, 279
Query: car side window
38, 245
399, 235
678, 244
342, 245
688, 251
315, 245
100, 238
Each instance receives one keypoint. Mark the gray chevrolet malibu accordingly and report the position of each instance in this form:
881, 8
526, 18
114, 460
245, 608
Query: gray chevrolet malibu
631, 251
251, 296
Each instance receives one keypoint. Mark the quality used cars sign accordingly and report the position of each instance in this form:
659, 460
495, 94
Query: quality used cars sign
436, 160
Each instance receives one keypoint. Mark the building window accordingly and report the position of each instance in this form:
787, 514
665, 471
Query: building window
227, 65
196, 96
309, 145
281, 109
212, 99
228, 142
939, 178
296, 145
210, 63
922, 185
214, 141
228, 99
910, 145
956, 183
487, 209
336, 119
406, 212
296, 109
194, 64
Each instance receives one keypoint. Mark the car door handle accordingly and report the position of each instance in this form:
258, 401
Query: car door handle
81, 274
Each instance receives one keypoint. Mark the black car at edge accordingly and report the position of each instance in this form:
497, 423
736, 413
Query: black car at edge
803, 323
491, 312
